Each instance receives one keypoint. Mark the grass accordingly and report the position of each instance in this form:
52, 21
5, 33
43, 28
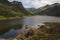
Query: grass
2, 18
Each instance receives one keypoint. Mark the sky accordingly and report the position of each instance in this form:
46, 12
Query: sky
36, 3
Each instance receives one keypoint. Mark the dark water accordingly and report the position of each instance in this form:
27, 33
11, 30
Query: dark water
31, 22
10, 34
11, 22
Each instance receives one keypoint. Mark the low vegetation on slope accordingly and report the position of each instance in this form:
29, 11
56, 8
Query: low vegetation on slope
12, 9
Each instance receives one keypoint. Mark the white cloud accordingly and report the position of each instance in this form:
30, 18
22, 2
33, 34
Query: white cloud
38, 3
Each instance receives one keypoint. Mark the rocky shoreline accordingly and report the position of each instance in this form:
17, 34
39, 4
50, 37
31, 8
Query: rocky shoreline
49, 31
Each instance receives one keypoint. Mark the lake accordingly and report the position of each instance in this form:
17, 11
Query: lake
31, 21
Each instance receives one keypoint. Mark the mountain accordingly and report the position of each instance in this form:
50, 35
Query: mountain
30, 9
50, 10
17, 6
12, 9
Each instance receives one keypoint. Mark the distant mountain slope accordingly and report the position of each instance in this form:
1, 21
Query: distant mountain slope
30, 9
50, 10
12, 9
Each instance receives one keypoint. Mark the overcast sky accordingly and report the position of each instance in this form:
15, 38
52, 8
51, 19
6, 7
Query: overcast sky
36, 3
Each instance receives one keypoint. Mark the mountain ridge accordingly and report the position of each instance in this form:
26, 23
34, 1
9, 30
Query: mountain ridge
12, 9
49, 10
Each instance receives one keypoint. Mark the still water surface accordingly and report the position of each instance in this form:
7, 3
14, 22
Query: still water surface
31, 21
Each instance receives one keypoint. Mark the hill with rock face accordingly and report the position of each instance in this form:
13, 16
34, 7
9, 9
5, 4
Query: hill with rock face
19, 7
50, 10
12, 9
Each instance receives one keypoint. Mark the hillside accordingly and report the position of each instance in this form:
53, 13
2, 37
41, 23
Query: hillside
50, 10
17, 6
12, 9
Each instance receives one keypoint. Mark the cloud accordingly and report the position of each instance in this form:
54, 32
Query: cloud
37, 3
40, 3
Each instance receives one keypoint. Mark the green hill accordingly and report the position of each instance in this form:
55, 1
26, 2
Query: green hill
12, 9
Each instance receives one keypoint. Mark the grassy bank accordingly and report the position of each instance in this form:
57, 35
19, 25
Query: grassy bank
5, 18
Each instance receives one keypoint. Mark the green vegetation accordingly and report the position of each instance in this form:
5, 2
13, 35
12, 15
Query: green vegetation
12, 9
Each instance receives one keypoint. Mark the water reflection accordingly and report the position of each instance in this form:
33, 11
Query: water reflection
10, 34
30, 22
